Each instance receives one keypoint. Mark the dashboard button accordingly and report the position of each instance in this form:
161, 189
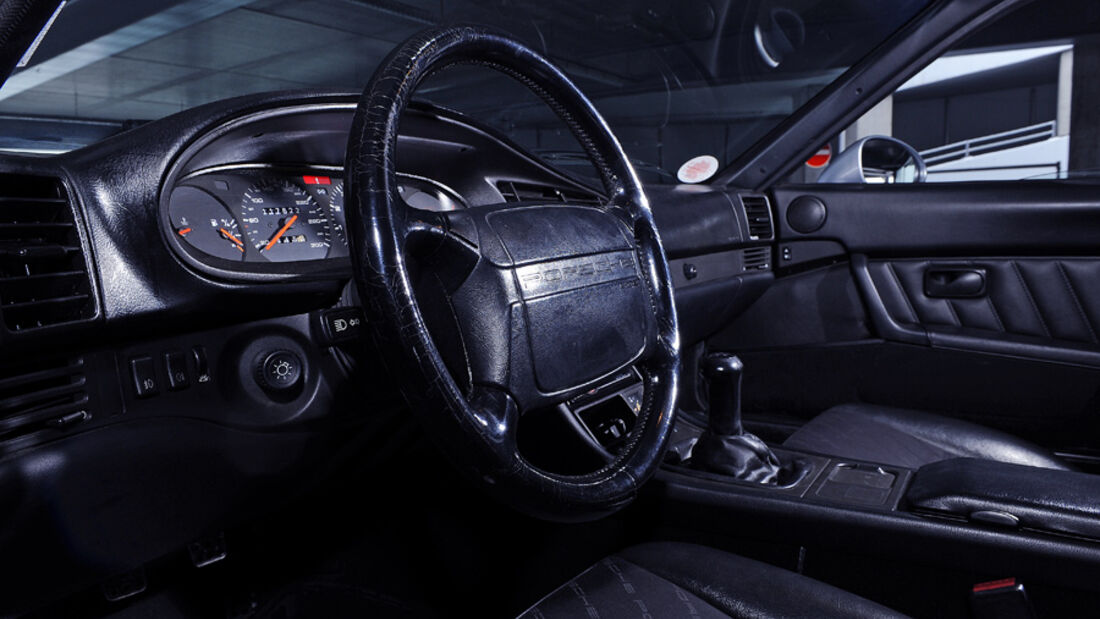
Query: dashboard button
279, 371
341, 325
144, 374
178, 376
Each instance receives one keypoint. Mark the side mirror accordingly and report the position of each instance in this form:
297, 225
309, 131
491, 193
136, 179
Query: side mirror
876, 159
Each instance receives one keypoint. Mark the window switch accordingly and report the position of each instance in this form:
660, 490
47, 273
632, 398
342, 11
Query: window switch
144, 374
178, 376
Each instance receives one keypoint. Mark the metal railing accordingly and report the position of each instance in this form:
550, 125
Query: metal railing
990, 143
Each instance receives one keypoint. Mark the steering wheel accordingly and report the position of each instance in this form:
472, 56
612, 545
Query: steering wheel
484, 314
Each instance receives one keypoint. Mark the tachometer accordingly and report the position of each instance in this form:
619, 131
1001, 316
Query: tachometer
284, 223
416, 192
422, 195
203, 222
336, 210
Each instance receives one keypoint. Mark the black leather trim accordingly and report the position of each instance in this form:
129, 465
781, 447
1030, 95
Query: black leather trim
911, 439
1049, 298
1062, 502
991, 218
666, 579
1015, 318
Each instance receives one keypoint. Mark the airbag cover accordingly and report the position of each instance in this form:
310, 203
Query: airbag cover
582, 334
580, 285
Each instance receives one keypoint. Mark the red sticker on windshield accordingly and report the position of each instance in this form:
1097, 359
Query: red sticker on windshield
697, 169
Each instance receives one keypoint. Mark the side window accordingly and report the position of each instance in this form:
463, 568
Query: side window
1017, 101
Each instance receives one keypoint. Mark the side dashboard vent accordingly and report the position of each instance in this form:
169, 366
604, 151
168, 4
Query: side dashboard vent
757, 258
759, 215
40, 396
43, 274
530, 192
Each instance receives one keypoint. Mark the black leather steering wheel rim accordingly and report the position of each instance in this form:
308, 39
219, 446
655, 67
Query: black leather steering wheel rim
478, 429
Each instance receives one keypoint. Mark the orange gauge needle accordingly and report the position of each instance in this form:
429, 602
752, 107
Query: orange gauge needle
236, 242
280, 233
183, 231
229, 235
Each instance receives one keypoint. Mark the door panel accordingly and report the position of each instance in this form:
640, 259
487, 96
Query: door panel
1055, 299
980, 301
1042, 308
1033, 218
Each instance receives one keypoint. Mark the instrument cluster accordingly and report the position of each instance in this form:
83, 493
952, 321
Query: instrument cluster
269, 215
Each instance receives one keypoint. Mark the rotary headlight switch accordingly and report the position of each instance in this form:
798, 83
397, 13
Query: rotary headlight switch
279, 371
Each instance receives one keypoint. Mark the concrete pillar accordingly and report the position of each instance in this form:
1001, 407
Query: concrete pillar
878, 120
1065, 92
1084, 131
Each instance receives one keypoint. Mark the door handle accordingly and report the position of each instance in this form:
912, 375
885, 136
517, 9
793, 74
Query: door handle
954, 282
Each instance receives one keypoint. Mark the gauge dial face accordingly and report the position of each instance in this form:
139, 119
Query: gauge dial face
284, 223
204, 223
336, 212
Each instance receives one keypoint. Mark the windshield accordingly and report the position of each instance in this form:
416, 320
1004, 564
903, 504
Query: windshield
675, 78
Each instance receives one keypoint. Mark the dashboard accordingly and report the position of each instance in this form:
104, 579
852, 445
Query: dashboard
177, 316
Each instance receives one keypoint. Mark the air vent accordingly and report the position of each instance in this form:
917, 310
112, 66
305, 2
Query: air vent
759, 215
43, 275
757, 259
530, 192
38, 396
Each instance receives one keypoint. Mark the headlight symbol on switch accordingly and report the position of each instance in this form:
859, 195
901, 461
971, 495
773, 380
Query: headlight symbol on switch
279, 371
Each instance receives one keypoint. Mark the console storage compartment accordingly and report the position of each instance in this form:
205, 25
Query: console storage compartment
1008, 495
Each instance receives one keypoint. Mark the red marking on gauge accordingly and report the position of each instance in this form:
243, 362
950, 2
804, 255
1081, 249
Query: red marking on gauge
1004, 583
316, 180
821, 158
184, 231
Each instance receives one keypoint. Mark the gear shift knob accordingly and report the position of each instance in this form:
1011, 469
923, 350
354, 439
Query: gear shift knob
724, 373
724, 447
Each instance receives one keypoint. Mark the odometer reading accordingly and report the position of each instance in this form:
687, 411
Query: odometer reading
284, 223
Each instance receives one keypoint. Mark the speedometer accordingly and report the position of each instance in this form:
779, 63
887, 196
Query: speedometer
284, 223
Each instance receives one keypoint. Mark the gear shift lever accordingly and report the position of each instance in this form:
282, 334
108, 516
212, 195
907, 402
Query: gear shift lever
724, 374
725, 447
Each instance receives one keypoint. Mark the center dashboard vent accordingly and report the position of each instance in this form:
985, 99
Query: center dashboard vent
759, 214
531, 192
41, 396
757, 258
43, 274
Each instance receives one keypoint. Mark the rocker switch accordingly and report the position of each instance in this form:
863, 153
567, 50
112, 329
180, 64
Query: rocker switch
144, 374
202, 366
178, 377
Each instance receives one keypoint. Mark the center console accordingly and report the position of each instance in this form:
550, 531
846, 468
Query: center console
964, 519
